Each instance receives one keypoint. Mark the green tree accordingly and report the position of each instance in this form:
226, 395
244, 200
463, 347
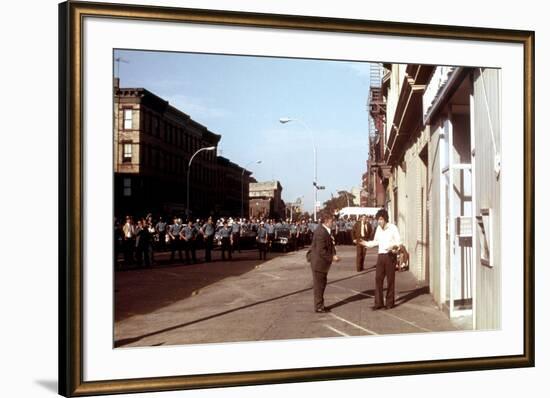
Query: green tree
336, 203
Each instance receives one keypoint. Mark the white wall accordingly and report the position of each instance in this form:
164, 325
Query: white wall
28, 165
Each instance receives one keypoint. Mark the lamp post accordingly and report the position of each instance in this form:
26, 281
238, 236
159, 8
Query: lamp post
242, 185
284, 120
210, 148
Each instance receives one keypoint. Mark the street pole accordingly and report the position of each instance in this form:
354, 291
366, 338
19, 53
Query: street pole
314, 181
286, 120
242, 185
210, 148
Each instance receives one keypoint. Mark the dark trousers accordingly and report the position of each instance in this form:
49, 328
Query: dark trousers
226, 247
190, 248
175, 244
360, 258
208, 243
262, 247
236, 242
144, 254
319, 286
129, 247
341, 237
162, 241
385, 268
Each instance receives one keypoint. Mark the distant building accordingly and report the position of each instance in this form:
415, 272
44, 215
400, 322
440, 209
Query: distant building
265, 200
294, 210
356, 192
153, 143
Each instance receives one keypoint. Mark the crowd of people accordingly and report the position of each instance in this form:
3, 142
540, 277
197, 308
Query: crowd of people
137, 240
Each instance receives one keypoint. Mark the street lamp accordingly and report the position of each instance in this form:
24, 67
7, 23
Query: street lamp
284, 120
210, 148
242, 185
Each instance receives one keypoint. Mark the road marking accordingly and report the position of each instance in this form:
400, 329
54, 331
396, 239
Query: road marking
336, 331
352, 324
352, 290
272, 275
408, 322
385, 312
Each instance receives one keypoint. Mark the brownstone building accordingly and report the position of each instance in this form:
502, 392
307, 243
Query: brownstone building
266, 201
153, 143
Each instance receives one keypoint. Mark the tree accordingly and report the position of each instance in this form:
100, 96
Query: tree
339, 202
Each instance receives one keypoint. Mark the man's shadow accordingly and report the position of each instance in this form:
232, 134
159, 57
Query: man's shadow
364, 295
369, 294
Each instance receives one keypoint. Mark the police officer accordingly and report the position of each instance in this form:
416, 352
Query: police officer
349, 228
270, 233
236, 234
341, 228
188, 236
227, 240
174, 232
311, 226
160, 228
294, 236
208, 231
262, 238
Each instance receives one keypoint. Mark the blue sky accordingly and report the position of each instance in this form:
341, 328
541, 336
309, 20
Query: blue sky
243, 97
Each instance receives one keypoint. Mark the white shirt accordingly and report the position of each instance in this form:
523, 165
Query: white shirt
385, 238
327, 228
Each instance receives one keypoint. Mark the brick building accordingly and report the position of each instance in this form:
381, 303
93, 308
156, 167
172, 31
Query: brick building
265, 200
153, 143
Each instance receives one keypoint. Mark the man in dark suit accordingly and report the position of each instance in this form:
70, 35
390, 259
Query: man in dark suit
323, 253
361, 232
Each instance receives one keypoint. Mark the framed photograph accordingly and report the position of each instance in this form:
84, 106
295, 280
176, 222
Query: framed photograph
255, 199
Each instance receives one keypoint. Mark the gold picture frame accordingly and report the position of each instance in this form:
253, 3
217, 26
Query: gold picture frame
71, 16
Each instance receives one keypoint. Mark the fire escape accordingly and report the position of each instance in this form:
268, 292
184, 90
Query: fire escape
377, 170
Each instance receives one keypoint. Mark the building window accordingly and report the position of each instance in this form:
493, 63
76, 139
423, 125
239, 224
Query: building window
155, 126
127, 187
127, 119
127, 152
485, 229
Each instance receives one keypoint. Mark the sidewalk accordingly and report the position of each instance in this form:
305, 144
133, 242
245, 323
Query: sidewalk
249, 300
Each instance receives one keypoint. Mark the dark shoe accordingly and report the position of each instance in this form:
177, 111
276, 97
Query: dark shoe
389, 307
322, 310
376, 307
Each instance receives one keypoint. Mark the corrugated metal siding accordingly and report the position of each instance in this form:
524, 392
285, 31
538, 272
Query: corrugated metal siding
488, 279
434, 210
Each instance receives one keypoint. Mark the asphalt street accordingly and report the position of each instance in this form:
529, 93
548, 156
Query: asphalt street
251, 300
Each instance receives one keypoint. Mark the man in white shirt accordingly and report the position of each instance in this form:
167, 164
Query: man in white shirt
387, 239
